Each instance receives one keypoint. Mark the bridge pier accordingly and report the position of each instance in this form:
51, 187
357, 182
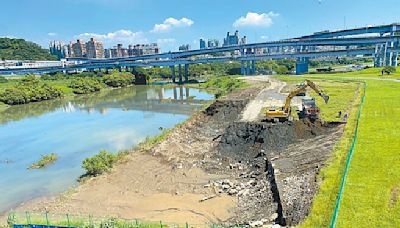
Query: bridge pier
173, 73
248, 70
302, 66
180, 73
253, 67
186, 73
242, 70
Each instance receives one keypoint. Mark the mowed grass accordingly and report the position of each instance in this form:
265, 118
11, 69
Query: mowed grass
364, 74
372, 189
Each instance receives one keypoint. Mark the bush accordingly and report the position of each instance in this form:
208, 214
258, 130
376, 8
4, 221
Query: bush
389, 70
99, 163
3, 79
44, 161
118, 79
85, 85
30, 89
282, 70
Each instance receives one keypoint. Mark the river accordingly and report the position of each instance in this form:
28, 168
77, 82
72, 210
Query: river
78, 128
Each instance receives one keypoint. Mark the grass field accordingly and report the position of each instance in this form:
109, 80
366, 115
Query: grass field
372, 189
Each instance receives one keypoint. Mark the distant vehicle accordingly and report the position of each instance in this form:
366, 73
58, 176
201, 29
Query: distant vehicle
325, 69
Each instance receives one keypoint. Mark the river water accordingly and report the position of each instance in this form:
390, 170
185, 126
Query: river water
78, 128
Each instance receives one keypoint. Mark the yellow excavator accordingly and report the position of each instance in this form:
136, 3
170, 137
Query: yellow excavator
309, 107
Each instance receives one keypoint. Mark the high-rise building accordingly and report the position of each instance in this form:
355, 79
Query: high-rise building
57, 49
184, 47
79, 49
234, 39
94, 49
132, 50
212, 43
203, 44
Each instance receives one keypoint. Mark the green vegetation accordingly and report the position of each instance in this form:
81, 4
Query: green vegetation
29, 89
118, 79
3, 79
44, 161
99, 163
224, 84
81, 221
19, 49
389, 70
85, 85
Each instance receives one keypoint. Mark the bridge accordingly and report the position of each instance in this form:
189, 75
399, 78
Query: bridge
383, 47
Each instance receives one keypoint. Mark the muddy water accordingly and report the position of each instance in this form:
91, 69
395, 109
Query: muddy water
78, 128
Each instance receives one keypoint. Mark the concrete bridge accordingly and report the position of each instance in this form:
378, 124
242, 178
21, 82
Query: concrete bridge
383, 47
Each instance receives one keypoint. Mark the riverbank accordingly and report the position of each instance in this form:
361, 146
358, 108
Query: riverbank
215, 168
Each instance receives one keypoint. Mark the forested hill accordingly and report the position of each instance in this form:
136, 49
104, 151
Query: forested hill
20, 49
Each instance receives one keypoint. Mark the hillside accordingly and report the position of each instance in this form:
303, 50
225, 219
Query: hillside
20, 49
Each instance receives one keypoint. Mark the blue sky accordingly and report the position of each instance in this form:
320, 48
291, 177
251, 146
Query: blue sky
175, 22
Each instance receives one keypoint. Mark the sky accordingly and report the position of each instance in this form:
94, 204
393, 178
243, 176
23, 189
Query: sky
175, 22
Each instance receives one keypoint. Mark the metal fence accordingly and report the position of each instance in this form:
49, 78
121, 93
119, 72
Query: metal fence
49, 220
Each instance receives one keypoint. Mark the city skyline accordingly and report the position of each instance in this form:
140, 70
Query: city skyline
173, 23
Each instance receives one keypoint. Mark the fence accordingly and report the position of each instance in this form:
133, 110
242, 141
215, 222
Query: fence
347, 164
49, 220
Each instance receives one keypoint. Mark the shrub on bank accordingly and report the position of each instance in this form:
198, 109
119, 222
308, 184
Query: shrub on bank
85, 85
30, 89
99, 163
118, 79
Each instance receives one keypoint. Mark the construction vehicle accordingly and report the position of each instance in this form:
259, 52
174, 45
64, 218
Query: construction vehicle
309, 108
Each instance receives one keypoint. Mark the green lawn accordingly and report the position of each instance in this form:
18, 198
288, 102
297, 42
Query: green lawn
372, 189
364, 74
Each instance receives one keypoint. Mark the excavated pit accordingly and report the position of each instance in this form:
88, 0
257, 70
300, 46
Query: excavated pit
275, 165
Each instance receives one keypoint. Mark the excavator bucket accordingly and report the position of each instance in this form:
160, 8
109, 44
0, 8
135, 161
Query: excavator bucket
325, 97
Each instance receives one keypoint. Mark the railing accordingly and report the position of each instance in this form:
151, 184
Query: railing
50, 220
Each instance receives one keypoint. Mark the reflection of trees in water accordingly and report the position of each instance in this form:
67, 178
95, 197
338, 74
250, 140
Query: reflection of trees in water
135, 97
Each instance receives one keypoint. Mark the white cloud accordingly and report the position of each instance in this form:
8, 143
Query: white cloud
166, 41
170, 23
52, 34
255, 19
264, 37
121, 36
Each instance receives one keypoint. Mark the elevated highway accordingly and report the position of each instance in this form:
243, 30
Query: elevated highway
384, 48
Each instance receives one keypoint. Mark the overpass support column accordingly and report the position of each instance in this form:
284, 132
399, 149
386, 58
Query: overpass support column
253, 67
186, 72
242, 70
302, 66
173, 73
180, 73
248, 70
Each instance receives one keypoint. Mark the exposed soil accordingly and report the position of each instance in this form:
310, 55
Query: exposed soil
219, 167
